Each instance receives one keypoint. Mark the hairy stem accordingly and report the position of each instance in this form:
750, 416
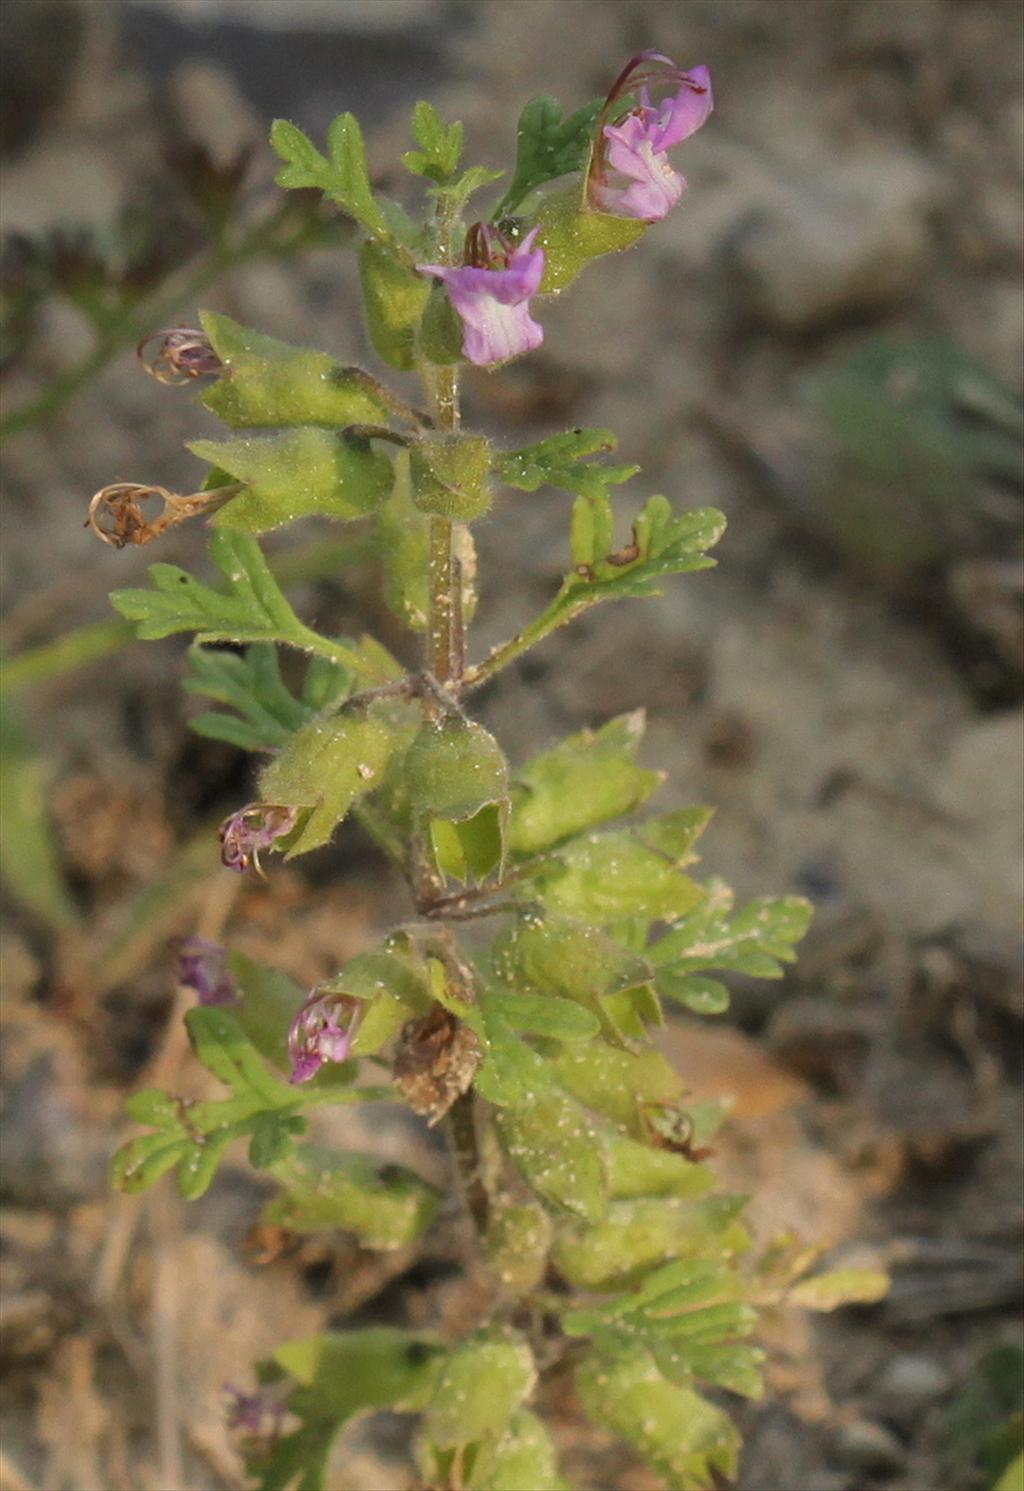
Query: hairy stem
465, 1145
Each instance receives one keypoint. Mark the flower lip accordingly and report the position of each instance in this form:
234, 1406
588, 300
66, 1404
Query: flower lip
245, 834
490, 293
316, 1034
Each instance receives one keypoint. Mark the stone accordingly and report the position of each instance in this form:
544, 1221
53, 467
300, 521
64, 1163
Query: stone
867, 1446
910, 1382
836, 238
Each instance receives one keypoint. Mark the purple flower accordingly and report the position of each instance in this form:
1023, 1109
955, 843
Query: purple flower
257, 1414
491, 294
203, 967
252, 829
644, 184
317, 1035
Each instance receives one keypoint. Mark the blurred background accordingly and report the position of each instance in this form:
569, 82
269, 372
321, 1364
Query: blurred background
825, 340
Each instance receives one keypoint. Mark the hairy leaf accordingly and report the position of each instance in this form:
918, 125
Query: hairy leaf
440, 145
562, 461
757, 940
581, 782
296, 474
384, 1204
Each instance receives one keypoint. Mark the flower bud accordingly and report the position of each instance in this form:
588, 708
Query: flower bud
450, 476
393, 302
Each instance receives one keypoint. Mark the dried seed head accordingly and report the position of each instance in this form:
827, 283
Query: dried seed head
436, 1061
115, 514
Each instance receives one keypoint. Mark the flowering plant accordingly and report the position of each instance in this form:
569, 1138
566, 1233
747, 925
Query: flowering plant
610, 1257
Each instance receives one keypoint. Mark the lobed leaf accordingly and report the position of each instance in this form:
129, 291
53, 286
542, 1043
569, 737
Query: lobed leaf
562, 461
440, 145
548, 146
342, 175
757, 940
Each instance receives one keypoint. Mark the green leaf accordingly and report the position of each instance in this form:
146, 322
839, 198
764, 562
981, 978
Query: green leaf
572, 234
269, 999
404, 550
1012, 1478
609, 877
384, 1204
456, 777
326, 767
615, 1083
340, 1374
458, 193
394, 298
479, 1388
543, 1014
450, 475
252, 609
756, 941
512, 1071
524, 1456
841, 1286
250, 683
29, 855
581, 782
548, 146
683, 1437
636, 1234
518, 1240
440, 145
342, 176
268, 383
551, 1142
662, 544
704, 996
734, 1367
296, 474
561, 461
635, 1169
394, 985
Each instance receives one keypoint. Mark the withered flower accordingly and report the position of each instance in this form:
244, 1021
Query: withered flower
245, 834
182, 353
436, 1061
115, 515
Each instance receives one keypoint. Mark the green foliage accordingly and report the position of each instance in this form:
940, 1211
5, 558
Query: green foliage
342, 175
251, 683
450, 476
440, 145
326, 767
682, 1436
394, 297
252, 609
576, 1144
385, 1205
562, 461
581, 782
338, 1376
296, 474
267, 383
547, 146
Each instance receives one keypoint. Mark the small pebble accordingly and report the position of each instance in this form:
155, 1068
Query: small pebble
864, 1445
911, 1381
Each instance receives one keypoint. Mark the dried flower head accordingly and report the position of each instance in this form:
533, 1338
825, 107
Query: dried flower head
436, 1061
245, 834
630, 174
116, 517
322, 1030
182, 353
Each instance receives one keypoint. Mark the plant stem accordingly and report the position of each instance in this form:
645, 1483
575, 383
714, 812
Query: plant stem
468, 1162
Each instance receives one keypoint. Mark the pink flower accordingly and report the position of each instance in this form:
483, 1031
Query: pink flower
252, 829
491, 294
645, 185
316, 1034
